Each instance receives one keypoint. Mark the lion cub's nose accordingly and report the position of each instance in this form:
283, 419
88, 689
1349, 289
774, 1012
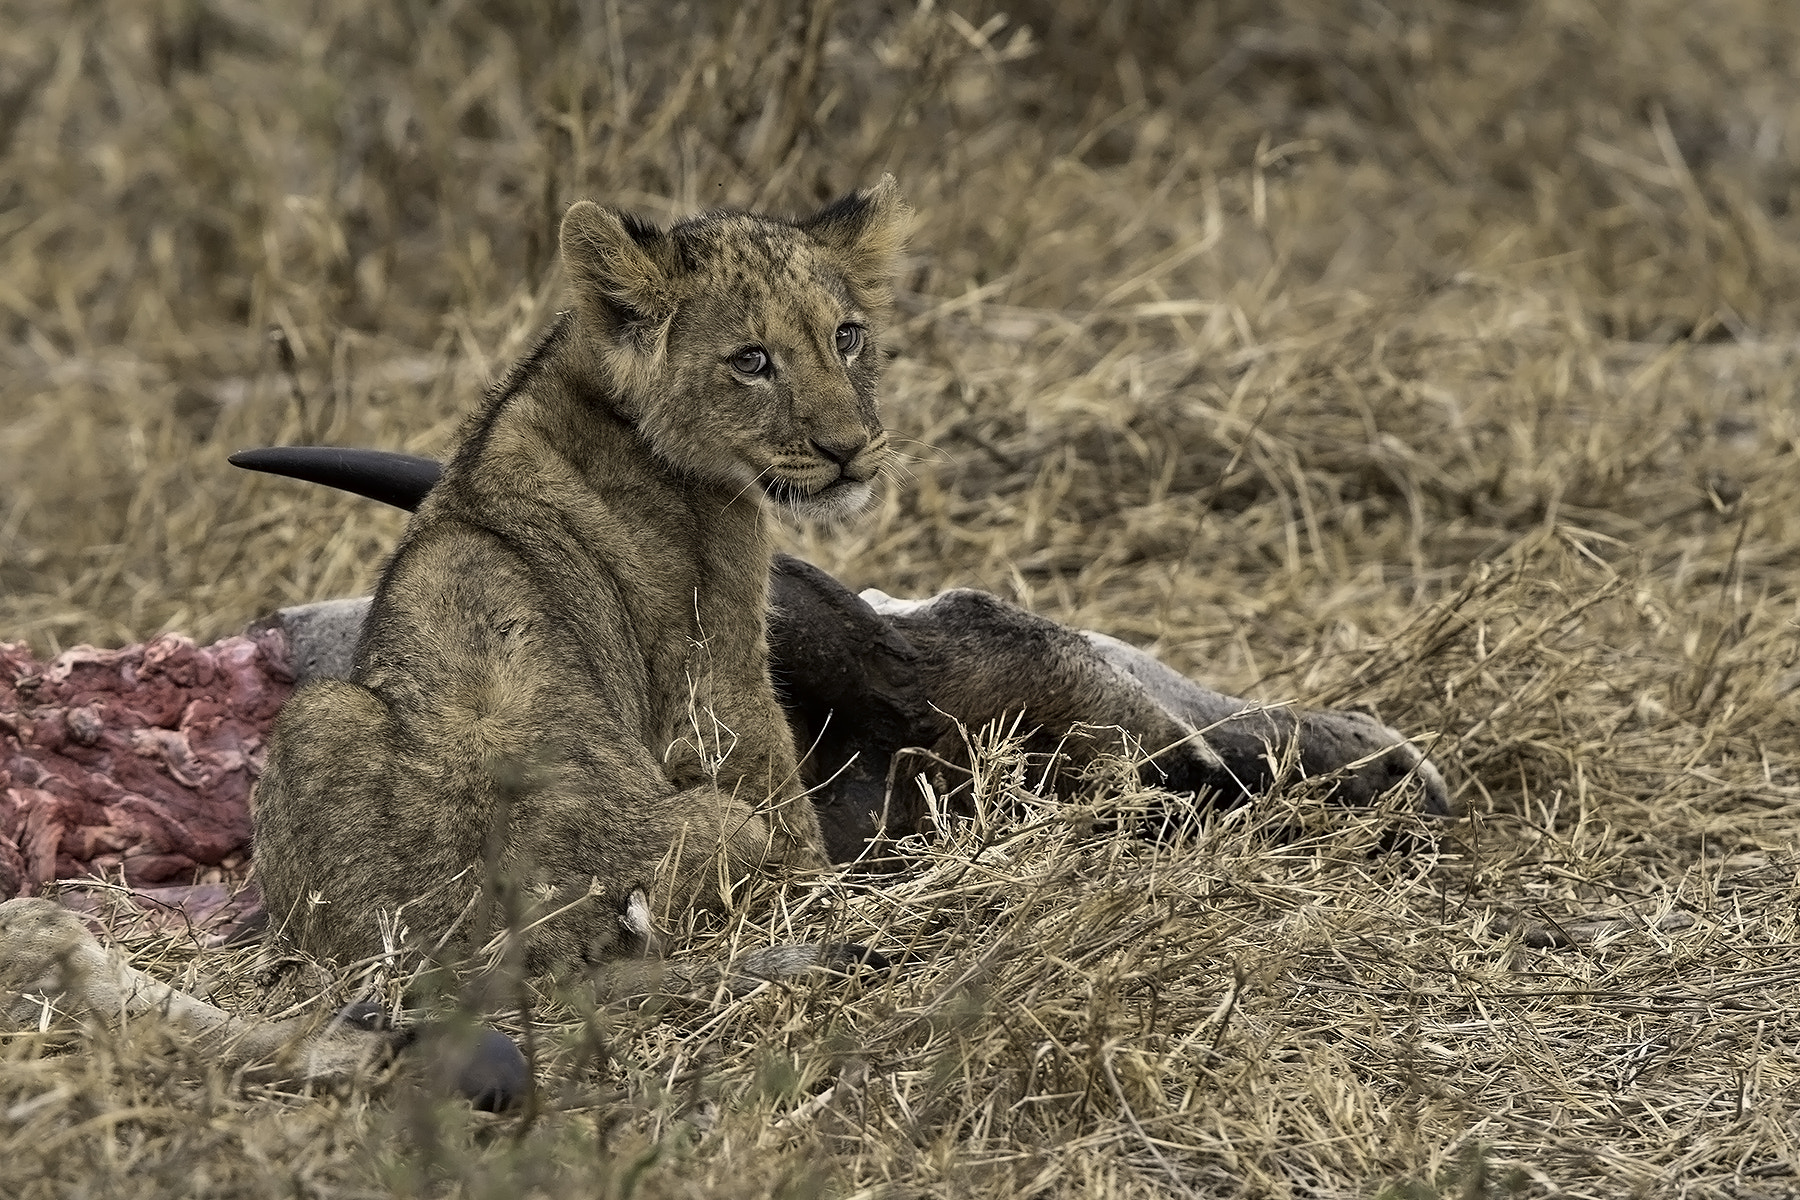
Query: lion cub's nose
840, 452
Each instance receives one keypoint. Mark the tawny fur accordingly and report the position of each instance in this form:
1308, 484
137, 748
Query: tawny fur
562, 693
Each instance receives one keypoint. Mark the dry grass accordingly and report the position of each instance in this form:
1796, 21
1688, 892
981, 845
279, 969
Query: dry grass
1437, 357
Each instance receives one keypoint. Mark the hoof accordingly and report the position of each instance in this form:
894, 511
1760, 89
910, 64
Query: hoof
492, 1075
481, 1065
365, 1015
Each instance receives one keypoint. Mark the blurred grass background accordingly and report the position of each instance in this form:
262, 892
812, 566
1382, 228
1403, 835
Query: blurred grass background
1436, 356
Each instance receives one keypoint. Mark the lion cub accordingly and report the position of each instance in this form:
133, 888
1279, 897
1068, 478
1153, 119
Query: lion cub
563, 686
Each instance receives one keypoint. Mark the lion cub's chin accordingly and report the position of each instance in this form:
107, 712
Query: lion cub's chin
834, 502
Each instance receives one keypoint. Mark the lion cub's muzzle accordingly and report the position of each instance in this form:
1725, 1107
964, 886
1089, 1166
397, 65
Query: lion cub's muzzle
854, 460
833, 478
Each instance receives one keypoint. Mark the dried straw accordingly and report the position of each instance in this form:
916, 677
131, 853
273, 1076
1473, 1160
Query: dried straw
1438, 358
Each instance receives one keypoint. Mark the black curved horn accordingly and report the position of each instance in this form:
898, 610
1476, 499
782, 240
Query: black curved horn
397, 479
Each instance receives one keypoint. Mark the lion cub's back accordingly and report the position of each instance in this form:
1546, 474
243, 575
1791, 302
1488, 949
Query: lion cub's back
465, 680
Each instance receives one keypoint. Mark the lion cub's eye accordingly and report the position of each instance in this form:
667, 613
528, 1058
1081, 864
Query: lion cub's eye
849, 338
751, 360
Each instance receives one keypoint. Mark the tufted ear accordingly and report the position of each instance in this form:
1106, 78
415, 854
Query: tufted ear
618, 269
865, 231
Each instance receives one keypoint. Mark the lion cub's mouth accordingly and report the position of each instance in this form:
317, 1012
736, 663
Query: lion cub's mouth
835, 481
839, 497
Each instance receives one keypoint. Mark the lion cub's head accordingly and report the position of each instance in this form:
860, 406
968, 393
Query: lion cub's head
744, 347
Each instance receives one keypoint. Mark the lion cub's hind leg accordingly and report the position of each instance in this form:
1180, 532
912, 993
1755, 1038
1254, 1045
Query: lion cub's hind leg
343, 838
365, 831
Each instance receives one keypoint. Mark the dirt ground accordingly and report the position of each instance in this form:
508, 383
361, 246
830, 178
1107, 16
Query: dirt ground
1436, 357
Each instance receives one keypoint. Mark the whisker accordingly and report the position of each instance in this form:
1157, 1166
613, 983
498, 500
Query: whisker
754, 480
937, 454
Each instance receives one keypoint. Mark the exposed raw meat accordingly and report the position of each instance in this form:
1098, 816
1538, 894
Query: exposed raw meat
134, 764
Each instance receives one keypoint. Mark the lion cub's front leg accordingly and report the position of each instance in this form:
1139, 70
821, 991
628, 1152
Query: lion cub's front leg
768, 778
735, 737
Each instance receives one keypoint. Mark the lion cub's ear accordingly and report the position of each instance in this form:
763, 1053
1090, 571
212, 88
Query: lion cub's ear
864, 232
617, 270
